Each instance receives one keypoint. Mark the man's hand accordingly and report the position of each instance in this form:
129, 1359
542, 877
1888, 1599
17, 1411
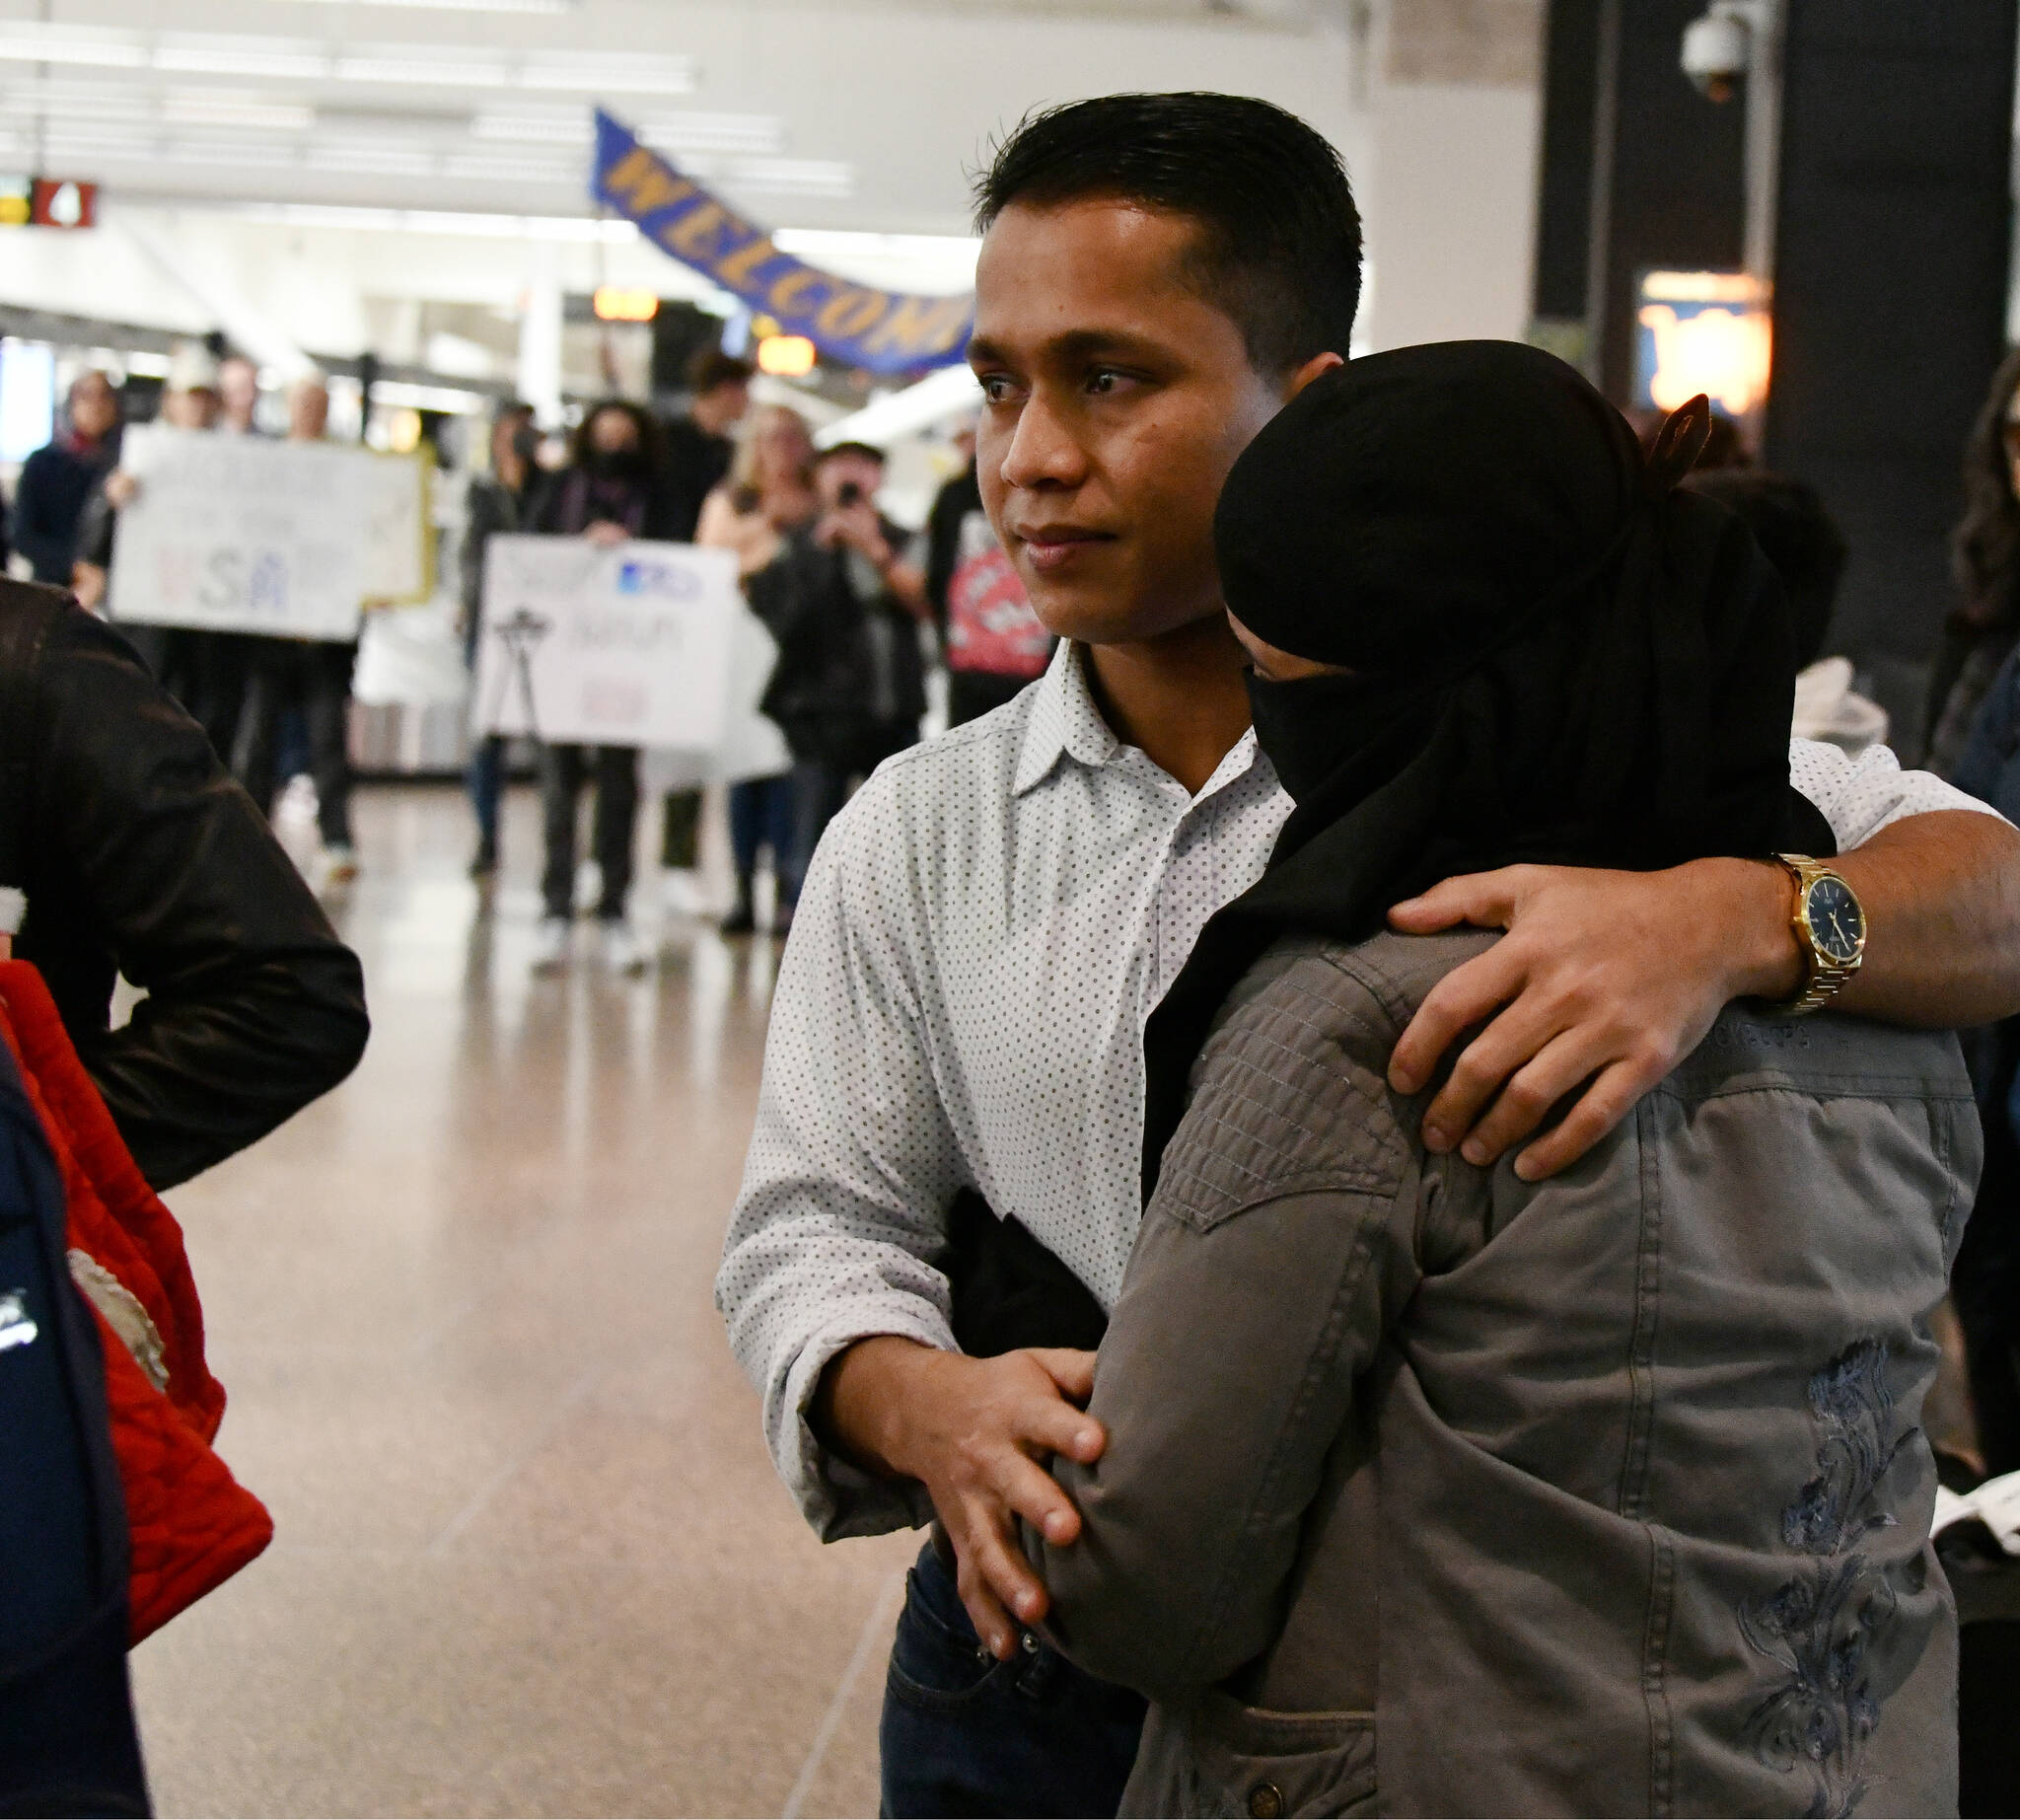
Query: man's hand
121, 487
1605, 980
606, 534
971, 1431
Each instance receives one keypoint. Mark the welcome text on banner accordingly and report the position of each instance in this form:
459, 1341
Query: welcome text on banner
885, 332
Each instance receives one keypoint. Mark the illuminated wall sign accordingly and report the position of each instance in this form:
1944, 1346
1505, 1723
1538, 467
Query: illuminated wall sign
786, 356
48, 202
63, 203
1705, 332
614, 303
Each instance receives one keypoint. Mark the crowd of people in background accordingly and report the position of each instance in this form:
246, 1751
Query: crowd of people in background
848, 613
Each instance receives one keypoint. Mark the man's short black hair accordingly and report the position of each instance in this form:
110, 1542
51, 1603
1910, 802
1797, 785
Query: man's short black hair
1280, 238
711, 368
868, 451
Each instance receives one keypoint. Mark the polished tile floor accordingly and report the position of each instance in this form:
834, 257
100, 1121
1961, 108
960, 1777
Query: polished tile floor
530, 1557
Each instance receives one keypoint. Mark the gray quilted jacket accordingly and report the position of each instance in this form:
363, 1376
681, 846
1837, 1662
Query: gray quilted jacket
1432, 1493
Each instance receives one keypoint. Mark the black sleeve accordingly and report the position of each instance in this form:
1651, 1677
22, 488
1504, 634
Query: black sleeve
141, 848
95, 526
41, 542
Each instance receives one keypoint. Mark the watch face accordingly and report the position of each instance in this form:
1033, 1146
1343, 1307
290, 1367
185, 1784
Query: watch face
1836, 920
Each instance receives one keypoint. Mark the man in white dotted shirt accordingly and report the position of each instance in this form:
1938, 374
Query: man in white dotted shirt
988, 923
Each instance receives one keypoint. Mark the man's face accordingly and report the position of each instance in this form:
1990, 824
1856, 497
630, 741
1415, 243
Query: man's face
238, 382
307, 411
1115, 401
840, 472
93, 408
727, 404
612, 432
195, 409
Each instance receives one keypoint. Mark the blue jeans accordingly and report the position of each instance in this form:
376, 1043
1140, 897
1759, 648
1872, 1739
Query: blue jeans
761, 816
964, 1734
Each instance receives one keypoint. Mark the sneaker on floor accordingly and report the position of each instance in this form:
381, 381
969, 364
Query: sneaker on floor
680, 893
622, 953
550, 944
742, 921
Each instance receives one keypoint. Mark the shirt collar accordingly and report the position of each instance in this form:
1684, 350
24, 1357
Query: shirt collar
1063, 723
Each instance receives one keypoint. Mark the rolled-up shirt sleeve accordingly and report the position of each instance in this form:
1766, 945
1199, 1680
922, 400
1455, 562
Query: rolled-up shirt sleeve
1859, 797
852, 1167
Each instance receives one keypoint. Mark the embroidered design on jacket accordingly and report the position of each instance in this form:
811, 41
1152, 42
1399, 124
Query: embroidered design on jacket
1822, 1627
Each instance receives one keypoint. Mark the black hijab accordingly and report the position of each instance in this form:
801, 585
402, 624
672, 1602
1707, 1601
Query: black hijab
1556, 657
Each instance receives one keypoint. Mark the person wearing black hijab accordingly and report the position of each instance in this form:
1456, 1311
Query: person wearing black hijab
1428, 1490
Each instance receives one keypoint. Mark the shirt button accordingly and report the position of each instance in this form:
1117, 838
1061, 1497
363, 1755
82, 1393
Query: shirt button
1266, 1802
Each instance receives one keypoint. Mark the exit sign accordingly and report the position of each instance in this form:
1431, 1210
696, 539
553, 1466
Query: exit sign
48, 202
62, 202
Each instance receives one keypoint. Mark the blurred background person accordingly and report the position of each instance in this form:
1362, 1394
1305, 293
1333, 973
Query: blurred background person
770, 490
991, 641
309, 677
495, 506
698, 452
767, 492
699, 448
57, 481
612, 489
845, 607
190, 401
237, 391
1985, 561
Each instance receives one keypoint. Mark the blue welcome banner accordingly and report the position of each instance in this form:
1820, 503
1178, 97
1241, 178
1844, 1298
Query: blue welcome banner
885, 332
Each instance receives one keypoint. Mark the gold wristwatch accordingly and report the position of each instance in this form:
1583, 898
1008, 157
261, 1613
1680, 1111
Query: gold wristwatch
1829, 925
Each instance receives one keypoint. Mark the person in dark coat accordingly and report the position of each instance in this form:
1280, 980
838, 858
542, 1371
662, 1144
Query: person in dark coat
57, 480
844, 607
698, 454
495, 506
140, 856
612, 489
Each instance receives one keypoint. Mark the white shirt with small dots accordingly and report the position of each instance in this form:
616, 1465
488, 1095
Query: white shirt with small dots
983, 931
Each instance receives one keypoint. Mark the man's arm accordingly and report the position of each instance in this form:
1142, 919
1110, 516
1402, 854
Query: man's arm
1606, 979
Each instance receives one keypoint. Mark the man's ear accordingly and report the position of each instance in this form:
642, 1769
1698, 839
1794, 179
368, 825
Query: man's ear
1303, 377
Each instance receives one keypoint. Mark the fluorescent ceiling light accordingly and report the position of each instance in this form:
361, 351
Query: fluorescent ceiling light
311, 60
210, 53
676, 132
813, 177
470, 224
444, 71
513, 170
35, 42
464, 6
186, 109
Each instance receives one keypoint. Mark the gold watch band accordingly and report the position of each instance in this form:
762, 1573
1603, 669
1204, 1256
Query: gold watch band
1824, 976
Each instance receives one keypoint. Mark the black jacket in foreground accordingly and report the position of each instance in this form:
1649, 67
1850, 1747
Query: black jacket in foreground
139, 854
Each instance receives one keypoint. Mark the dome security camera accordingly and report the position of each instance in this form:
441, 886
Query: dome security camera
1717, 51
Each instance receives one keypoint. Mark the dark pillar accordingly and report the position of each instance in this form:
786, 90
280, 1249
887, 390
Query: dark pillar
1890, 297
1668, 176
1563, 211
